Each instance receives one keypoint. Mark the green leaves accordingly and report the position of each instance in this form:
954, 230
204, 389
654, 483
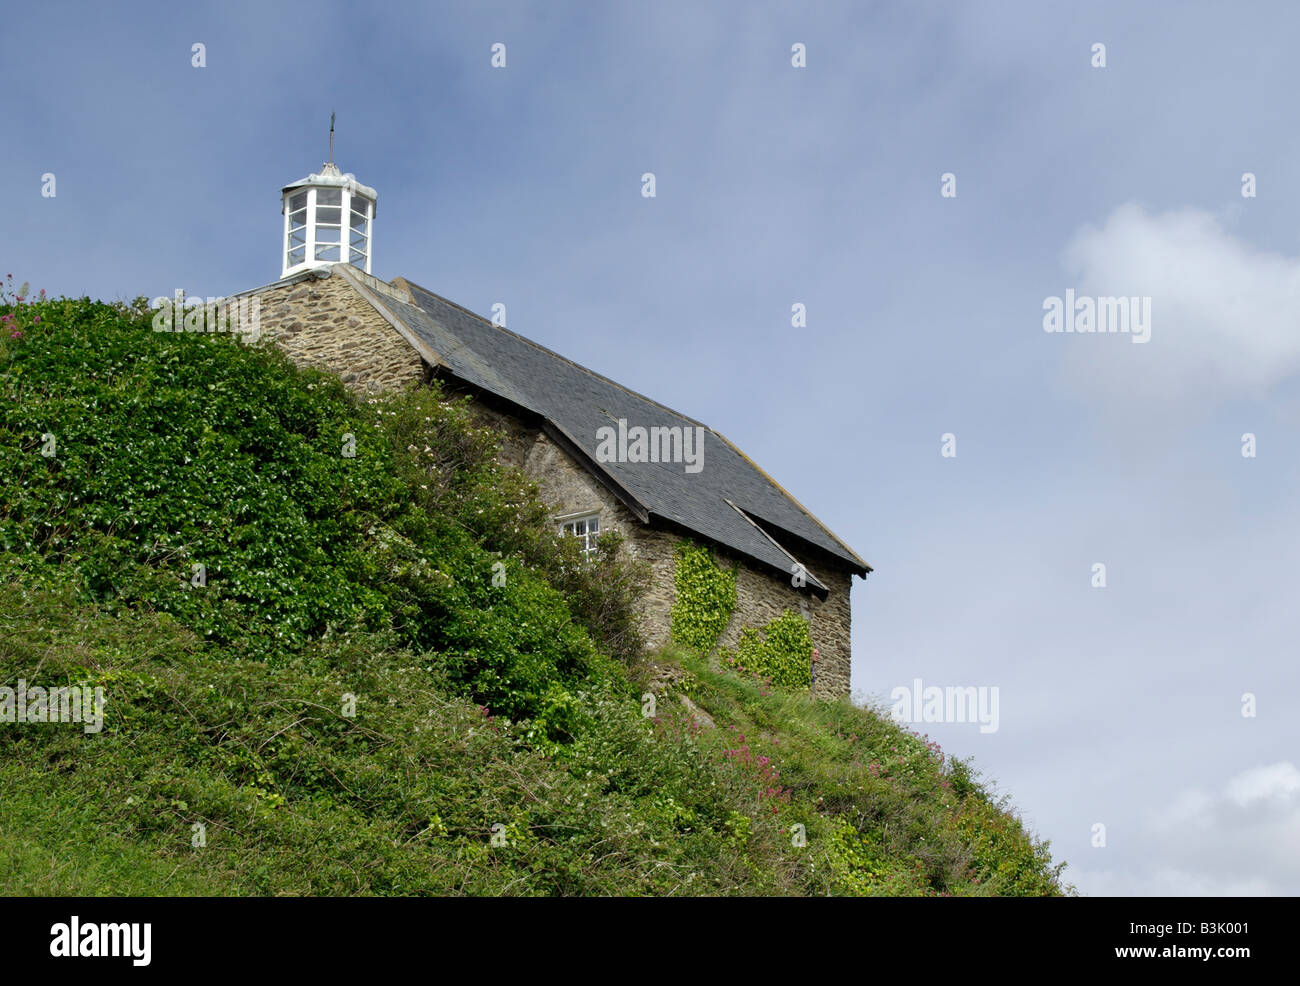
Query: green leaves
781, 652
706, 597
174, 450
479, 696
310, 513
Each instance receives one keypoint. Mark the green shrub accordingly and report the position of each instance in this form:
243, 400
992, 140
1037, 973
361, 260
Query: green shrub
311, 515
451, 466
393, 658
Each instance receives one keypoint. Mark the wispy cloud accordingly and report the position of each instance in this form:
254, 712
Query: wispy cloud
1224, 312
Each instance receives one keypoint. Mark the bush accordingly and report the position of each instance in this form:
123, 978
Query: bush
266, 508
391, 657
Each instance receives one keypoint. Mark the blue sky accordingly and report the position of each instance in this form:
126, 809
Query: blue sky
821, 185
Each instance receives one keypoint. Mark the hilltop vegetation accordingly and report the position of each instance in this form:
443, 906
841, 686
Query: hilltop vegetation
344, 653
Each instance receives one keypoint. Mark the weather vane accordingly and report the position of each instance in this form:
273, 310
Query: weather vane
331, 136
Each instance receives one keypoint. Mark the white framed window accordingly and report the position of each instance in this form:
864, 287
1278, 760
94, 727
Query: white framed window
327, 225
297, 230
359, 237
585, 526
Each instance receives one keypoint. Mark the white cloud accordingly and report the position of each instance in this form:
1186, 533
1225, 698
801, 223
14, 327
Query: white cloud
1224, 314
1243, 840
1278, 783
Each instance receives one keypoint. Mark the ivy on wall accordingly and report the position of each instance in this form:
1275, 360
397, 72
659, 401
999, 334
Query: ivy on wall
706, 597
781, 652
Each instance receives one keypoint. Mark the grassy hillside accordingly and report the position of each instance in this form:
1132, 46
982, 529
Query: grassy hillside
343, 653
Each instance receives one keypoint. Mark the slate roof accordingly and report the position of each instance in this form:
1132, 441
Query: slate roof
722, 502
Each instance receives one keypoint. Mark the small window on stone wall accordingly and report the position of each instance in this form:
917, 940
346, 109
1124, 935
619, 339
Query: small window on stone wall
586, 527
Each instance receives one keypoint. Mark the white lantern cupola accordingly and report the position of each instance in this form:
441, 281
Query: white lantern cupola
328, 219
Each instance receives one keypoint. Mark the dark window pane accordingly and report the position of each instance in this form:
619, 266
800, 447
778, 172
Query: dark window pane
332, 216
329, 196
298, 201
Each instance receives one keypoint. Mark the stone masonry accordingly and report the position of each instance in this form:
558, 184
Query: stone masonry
323, 322
761, 596
320, 320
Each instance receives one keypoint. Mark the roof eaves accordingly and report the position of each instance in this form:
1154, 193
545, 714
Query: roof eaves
574, 450
786, 493
795, 563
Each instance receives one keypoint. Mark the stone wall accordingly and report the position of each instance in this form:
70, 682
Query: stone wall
323, 322
761, 596
567, 488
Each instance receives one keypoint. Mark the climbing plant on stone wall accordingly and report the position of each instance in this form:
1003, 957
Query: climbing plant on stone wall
781, 652
706, 597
